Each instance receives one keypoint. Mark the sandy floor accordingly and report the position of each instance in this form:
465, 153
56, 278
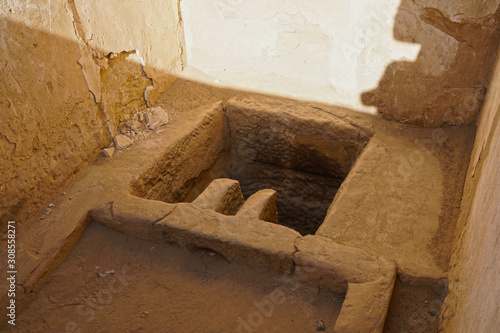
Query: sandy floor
414, 309
161, 288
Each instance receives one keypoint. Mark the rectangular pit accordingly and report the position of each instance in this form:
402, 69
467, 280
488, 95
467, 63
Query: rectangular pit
302, 152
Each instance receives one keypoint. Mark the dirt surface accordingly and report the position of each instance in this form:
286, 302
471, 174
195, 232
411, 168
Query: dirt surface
414, 309
160, 288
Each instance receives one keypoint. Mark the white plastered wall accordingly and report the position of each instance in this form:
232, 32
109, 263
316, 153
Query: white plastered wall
325, 50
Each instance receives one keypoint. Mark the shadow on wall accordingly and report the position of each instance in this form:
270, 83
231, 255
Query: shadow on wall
413, 93
51, 124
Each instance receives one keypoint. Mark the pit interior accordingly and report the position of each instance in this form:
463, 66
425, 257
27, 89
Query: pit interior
302, 153
303, 195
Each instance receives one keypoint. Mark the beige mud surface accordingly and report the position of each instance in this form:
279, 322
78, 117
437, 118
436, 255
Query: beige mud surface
173, 290
414, 309
161, 288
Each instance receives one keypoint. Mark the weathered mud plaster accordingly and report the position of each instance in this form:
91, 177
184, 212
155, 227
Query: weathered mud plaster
62, 97
152, 28
452, 96
472, 303
91, 70
124, 87
49, 117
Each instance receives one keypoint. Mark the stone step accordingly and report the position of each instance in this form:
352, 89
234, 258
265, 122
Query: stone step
222, 195
261, 205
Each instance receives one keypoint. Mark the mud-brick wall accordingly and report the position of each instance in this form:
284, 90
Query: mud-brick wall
447, 83
70, 72
472, 304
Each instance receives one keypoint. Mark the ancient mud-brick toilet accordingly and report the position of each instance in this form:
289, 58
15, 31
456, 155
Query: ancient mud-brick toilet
271, 183
115, 146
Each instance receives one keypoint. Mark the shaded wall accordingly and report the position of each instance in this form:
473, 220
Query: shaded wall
464, 37
71, 71
472, 304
